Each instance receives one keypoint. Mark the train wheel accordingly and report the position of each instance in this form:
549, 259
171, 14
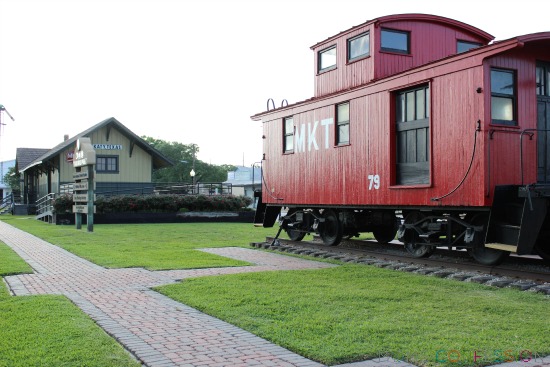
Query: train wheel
413, 244
488, 256
294, 234
480, 253
385, 234
542, 248
331, 231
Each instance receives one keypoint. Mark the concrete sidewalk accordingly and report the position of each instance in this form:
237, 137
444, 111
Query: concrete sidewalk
157, 330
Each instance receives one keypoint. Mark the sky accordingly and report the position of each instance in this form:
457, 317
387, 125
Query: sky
187, 71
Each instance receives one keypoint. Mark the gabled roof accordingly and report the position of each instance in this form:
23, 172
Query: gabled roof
159, 160
25, 156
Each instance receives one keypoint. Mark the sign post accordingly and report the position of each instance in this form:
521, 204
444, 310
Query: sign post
83, 196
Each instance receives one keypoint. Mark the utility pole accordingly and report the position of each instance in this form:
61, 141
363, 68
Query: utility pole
3, 109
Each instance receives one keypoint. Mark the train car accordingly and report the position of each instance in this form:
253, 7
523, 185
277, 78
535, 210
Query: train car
423, 118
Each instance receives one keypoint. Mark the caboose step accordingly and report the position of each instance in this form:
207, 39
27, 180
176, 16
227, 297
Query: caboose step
502, 246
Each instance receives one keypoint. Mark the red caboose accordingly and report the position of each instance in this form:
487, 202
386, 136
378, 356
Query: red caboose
422, 116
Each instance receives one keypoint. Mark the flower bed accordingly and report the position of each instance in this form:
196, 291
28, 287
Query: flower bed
159, 203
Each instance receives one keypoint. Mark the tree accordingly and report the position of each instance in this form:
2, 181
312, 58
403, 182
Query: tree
11, 178
184, 157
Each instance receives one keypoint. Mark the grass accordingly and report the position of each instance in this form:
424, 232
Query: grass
356, 312
50, 330
344, 314
154, 247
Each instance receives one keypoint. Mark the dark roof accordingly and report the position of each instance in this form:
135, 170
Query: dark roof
159, 160
25, 156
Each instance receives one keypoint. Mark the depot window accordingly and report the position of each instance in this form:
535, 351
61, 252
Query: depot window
327, 59
342, 123
503, 97
395, 41
463, 46
288, 135
359, 47
106, 164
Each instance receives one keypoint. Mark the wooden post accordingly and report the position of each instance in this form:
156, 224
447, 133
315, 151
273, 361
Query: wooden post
77, 215
90, 215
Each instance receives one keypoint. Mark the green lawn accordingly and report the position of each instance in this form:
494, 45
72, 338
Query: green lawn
153, 246
357, 312
50, 330
348, 313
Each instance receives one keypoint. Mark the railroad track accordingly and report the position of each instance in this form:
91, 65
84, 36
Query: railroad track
517, 272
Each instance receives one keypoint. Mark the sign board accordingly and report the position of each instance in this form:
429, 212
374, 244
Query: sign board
83, 209
81, 198
81, 186
108, 146
84, 154
80, 175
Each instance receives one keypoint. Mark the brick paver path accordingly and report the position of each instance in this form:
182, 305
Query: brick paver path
157, 330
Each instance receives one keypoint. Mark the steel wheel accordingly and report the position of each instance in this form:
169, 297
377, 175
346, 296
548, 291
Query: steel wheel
386, 233
480, 253
331, 230
413, 243
542, 246
294, 234
543, 251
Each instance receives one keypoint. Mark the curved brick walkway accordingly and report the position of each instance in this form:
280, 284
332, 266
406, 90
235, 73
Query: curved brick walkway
157, 330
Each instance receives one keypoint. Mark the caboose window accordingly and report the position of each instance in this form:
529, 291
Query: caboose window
503, 97
395, 41
463, 46
342, 123
359, 47
288, 137
543, 79
412, 111
327, 59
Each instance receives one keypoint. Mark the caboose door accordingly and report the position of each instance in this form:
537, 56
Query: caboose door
543, 123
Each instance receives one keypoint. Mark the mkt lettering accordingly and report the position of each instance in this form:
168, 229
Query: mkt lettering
301, 137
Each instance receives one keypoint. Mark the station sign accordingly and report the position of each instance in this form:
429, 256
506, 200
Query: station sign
84, 154
81, 185
81, 198
81, 209
80, 175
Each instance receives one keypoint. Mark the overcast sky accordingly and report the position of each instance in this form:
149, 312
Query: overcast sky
187, 71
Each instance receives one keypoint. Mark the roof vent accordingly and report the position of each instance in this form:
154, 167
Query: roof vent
65, 137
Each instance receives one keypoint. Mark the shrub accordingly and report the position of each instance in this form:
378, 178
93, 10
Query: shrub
159, 203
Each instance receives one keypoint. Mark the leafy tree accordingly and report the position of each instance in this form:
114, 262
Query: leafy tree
11, 178
184, 158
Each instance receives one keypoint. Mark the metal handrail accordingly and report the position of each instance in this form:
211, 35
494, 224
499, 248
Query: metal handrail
45, 204
7, 202
165, 188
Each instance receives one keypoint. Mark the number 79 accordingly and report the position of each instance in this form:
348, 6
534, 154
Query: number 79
374, 182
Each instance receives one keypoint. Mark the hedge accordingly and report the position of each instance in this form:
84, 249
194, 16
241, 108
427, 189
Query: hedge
159, 203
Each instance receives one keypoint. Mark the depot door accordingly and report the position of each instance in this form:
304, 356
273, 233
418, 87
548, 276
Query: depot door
543, 123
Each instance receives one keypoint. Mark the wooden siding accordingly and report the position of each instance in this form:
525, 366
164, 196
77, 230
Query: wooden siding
346, 75
504, 151
137, 168
429, 41
339, 175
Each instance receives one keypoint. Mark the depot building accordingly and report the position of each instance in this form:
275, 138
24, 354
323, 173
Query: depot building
124, 163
